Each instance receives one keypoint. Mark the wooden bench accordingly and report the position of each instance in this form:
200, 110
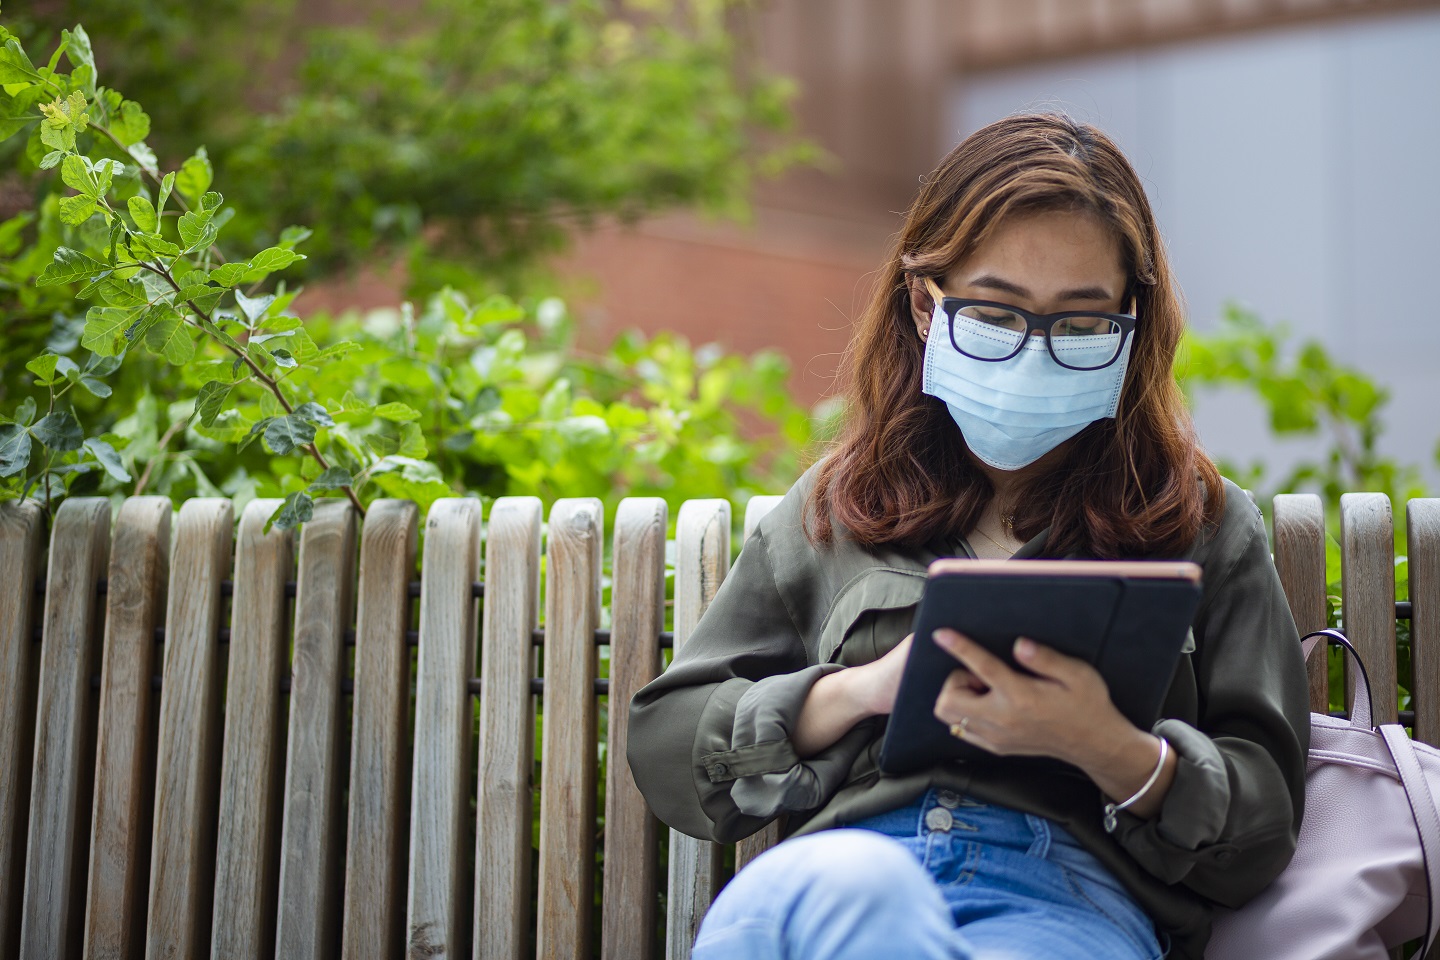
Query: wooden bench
198, 753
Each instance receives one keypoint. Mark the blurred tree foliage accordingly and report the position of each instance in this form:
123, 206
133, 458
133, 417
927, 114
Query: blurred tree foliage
469, 137
140, 356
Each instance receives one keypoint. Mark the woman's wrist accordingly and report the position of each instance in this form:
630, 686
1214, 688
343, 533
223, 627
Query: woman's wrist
835, 703
1125, 762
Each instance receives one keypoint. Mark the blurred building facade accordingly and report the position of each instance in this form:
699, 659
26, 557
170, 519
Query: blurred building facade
1286, 146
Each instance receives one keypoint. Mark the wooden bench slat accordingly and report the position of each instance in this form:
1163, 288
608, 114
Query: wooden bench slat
307, 925
374, 907
1422, 546
125, 752
1367, 571
187, 759
22, 535
64, 761
247, 859
444, 716
1299, 523
702, 535
568, 732
637, 600
504, 798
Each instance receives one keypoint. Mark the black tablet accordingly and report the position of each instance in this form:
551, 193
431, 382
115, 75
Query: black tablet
1129, 619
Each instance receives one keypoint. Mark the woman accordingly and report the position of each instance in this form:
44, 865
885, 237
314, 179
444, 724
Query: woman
1010, 394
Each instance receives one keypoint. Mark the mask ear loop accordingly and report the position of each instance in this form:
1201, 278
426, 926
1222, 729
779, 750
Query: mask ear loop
936, 296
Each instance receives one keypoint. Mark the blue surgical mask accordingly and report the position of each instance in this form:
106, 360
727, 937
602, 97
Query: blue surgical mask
1015, 411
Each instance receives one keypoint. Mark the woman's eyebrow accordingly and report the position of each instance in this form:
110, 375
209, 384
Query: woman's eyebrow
992, 282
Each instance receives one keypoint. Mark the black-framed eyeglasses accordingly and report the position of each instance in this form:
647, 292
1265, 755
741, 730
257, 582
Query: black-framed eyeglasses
993, 331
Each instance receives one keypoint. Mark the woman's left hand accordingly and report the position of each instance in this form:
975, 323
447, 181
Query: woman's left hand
1064, 712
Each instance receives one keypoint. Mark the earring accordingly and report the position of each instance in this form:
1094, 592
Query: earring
925, 334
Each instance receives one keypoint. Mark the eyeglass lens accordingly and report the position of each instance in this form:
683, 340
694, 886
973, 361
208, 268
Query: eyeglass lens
993, 333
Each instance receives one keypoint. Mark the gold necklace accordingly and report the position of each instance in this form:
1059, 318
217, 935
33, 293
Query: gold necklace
997, 543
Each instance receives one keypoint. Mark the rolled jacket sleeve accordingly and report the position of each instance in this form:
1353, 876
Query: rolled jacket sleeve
1229, 823
710, 739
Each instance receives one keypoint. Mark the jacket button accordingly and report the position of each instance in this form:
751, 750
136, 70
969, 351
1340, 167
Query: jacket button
1224, 856
939, 819
948, 799
720, 769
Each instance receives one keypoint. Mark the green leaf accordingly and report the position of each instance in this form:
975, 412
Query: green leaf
272, 259
171, 337
105, 330
210, 201
256, 430
25, 413
399, 412
286, 433
229, 274
197, 231
297, 509
51, 159
167, 183
211, 401
76, 210
142, 211
152, 245
59, 431
14, 449
130, 124
108, 458
293, 236
43, 367
332, 479
71, 266
254, 309
122, 293
15, 67
98, 387
76, 174
77, 47
195, 175
284, 359
314, 413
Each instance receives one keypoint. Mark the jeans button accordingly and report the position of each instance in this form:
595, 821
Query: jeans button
948, 799
939, 819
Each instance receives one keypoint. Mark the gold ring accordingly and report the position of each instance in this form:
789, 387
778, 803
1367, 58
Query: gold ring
957, 730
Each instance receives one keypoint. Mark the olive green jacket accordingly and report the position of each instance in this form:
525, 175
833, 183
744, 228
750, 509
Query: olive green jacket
710, 746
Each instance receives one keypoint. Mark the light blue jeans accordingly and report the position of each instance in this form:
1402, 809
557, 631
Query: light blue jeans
946, 878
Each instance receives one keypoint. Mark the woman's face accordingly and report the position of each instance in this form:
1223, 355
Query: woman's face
1042, 262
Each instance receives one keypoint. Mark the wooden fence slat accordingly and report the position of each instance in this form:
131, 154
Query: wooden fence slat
435, 905
22, 534
64, 762
1299, 523
307, 925
769, 835
379, 781
247, 858
702, 534
187, 757
567, 757
1422, 546
124, 751
1367, 572
637, 602
504, 799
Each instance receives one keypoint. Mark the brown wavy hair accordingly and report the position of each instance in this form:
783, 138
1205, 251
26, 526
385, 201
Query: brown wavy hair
1136, 485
